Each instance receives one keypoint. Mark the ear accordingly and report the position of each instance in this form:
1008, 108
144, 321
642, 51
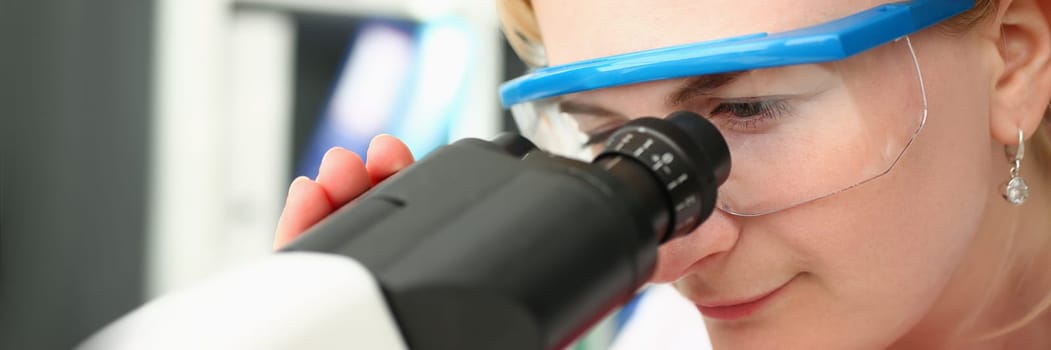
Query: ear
1023, 87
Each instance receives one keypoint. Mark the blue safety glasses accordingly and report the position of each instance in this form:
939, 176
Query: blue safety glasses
806, 113
830, 41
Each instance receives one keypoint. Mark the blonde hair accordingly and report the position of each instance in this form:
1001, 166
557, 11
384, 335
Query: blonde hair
520, 28
522, 32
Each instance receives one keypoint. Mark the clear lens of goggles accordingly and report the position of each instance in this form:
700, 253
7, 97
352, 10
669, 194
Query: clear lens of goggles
796, 133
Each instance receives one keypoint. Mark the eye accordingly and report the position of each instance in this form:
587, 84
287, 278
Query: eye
750, 113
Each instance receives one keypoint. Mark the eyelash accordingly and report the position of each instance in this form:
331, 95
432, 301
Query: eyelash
749, 114
745, 115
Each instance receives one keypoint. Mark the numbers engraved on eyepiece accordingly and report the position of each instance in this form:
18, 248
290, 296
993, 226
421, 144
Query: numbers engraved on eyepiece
645, 146
678, 181
686, 202
621, 143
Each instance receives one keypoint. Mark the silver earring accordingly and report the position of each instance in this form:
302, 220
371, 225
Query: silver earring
1016, 190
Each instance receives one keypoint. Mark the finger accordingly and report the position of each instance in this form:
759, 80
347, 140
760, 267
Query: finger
343, 176
306, 204
386, 156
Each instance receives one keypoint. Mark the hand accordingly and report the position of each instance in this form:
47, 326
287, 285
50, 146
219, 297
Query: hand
342, 177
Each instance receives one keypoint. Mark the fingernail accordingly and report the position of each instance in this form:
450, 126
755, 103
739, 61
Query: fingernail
377, 137
333, 150
297, 182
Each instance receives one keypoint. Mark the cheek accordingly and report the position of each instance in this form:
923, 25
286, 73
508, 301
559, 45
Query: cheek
878, 257
886, 250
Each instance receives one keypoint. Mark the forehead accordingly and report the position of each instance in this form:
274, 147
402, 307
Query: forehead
582, 29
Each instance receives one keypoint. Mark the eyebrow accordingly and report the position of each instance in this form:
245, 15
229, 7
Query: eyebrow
692, 87
701, 85
576, 107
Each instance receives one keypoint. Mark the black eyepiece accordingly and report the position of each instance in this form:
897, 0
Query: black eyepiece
684, 153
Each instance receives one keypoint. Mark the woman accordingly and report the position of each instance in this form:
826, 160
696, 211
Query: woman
889, 222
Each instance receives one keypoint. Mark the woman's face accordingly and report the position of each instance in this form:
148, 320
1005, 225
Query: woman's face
855, 270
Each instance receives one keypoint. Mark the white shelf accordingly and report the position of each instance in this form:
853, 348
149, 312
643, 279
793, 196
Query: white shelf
394, 8
222, 122
482, 11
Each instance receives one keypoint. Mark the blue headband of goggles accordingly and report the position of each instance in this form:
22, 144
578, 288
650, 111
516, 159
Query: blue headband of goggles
830, 41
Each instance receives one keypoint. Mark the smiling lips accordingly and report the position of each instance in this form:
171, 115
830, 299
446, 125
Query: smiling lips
735, 310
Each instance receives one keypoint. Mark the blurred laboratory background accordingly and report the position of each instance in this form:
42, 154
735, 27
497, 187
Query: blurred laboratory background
147, 144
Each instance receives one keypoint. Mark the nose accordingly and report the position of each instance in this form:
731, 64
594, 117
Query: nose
718, 235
